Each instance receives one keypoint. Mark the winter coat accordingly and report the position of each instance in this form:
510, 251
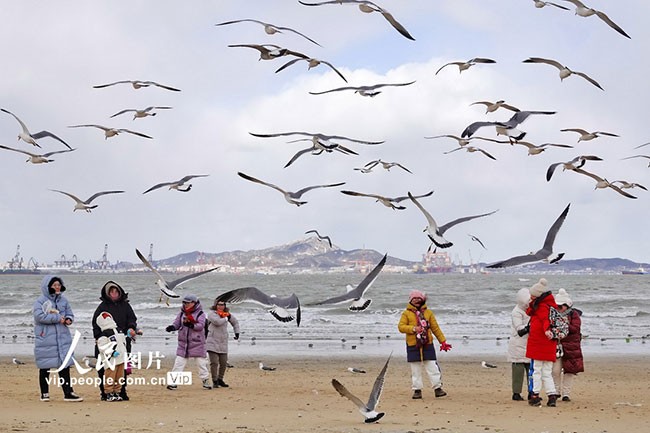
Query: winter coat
572, 360
406, 324
519, 320
191, 339
111, 343
539, 347
120, 310
217, 339
52, 338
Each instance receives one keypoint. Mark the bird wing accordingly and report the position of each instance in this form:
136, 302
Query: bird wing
298, 155
557, 5
2, 146
173, 89
100, 86
334, 69
403, 168
147, 264
158, 185
338, 386
445, 65
399, 199
300, 192
90, 126
551, 170
517, 260
122, 112
189, 177
255, 295
486, 103
358, 291
289, 63
298, 33
49, 134
181, 280
509, 107
360, 194
48, 154
620, 191
611, 23
481, 60
94, 196
578, 130
566, 146
543, 60
609, 134
473, 127
521, 116
485, 153
375, 394
134, 133
427, 215
443, 228
552, 232
252, 179
591, 175
22, 125
72, 196
336, 90
475, 239
637, 156
396, 25
588, 78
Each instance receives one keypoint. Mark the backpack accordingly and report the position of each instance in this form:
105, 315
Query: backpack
559, 324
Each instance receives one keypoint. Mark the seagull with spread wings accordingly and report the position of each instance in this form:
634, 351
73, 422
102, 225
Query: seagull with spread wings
355, 294
111, 132
370, 91
178, 185
544, 254
386, 165
367, 7
508, 128
564, 70
276, 306
536, 149
463, 66
311, 63
269, 29
367, 409
586, 135
36, 158
85, 204
30, 138
471, 149
137, 84
141, 113
585, 11
639, 156
602, 183
167, 287
321, 238
289, 196
466, 141
576, 162
386, 201
494, 106
270, 51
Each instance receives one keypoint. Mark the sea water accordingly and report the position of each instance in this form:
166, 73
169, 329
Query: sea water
473, 310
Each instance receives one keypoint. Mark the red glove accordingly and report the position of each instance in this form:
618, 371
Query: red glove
445, 347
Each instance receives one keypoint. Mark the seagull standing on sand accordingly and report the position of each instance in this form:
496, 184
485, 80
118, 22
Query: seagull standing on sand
111, 132
269, 29
544, 254
386, 201
141, 113
321, 238
266, 368
462, 66
30, 138
356, 370
85, 204
564, 70
355, 294
137, 84
276, 306
586, 135
487, 365
178, 184
367, 409
289, 196
167, 287
576, 162
17, 361
36, 158
370, 91
585, 11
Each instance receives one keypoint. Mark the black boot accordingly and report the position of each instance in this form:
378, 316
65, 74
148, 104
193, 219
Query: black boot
222, 383
551, 400
517, 397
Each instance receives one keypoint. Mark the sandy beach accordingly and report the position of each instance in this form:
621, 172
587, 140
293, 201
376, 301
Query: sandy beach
610, 397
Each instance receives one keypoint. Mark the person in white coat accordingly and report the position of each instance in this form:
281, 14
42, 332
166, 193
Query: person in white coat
216, 342
517, 343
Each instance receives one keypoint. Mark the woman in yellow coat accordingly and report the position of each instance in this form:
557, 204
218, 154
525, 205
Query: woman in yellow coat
420, 325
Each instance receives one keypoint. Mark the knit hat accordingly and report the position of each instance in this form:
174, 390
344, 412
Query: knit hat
538, 288
191, 298
417, 294
562, 298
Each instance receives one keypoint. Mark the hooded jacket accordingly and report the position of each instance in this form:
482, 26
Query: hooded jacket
539, 347
517, 344
121, 311
217, 339
572, 361
406, 324
191, 339
52, 339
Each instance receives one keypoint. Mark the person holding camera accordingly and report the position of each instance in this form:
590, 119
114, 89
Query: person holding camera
519, 328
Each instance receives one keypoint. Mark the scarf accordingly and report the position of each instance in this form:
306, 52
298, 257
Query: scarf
422, 338
188, 315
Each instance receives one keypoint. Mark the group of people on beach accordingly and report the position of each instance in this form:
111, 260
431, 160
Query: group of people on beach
547, 359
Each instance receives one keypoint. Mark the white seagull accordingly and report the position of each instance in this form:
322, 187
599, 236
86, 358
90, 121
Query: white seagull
475, 239
355, 294
270, 51
311, 63
356, 370
30, 138
462, 66
17, 361
289, 196
366, 409
623, 184
370, 91
585, 11
321, 238
564, 70
36, 158
269, 29
544, 254
508, 128
85, 204
466, 141
487, 365
494, 106
167, 287
443, 228
276, 306
534, 149
111, 132
177, 184
368, 7
141, 113
386, 165
586, 135
471, 149
265, 368
576, 162
431, 229
540, 4
137, 84
602, 183
386, 201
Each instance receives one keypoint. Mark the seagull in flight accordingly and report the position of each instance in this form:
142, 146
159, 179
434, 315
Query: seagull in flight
586, 135
462, 66
85, 204
367, 7
564, 70
585, 11
36, 158
494, 106
269, 29
471, 149
370, 91
289, 196
167, 287
111, 132
534, 149
270, 51
443, 228
475, 239
322, 137
386, 165
178, 184
367, 409
276, 306
639, 156
355, 294
576, 162
141, 113
466, 141
508, 128
137, 84
602, 183
544, 254
311, 63
386, 201
30, 138
321, 238
540, 4
623, 184
432, 227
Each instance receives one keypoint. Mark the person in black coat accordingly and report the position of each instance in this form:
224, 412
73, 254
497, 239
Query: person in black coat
116, 301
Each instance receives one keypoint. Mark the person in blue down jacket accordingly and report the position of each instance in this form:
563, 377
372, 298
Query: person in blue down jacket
52, 316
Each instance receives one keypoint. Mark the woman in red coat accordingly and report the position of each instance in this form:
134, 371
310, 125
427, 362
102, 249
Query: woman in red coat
541, 347
571, 363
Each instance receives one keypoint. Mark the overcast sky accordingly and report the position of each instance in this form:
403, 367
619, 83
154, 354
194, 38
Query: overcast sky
55, 52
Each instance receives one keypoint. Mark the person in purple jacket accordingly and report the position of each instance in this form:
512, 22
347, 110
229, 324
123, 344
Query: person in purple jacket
190, 324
